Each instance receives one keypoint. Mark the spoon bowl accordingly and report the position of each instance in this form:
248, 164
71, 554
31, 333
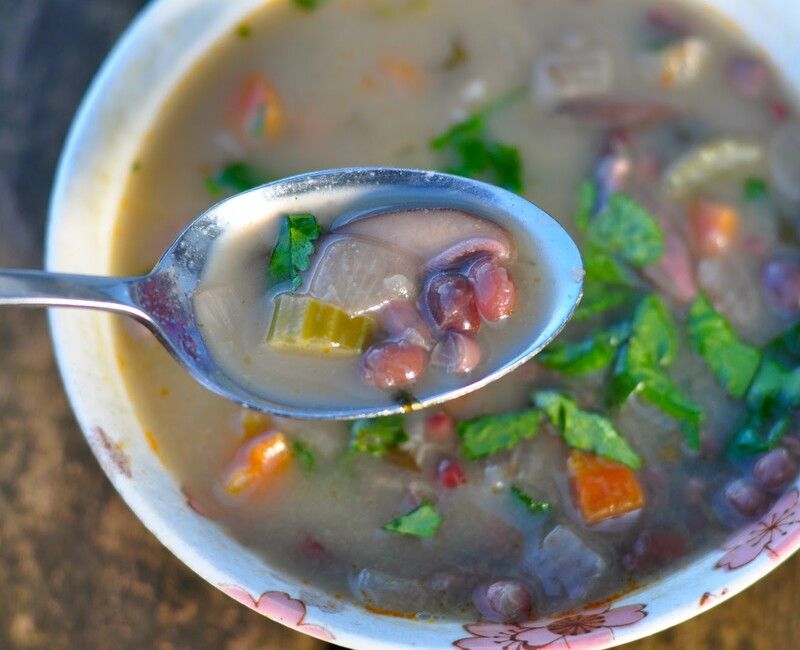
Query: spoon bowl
163, 300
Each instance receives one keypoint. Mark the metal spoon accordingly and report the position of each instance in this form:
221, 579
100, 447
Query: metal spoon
163, 299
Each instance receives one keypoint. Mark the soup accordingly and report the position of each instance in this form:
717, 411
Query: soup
400, 301
661, 419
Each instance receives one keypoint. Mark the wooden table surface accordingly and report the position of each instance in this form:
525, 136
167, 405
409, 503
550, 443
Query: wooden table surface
77, 569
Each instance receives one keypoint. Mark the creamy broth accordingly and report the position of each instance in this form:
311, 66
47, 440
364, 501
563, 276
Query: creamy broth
371, 82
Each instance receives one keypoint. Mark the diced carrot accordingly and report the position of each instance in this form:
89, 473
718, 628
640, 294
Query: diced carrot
714, 226
404, 72
254, 423
602, 488
257, 111
257, 463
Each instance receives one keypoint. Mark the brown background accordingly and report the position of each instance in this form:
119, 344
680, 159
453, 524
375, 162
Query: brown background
77, 570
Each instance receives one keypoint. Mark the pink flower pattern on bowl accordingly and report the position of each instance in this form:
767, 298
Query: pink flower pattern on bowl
775, 532
280, 607
591, 628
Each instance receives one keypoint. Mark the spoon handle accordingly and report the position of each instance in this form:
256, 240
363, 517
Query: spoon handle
42, 289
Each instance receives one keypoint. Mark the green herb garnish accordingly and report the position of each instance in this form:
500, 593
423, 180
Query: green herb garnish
377, 436
587, 200
772, 397
422, 521
625, 229
641, 364
292, 253
308, 5
491, 434
755, 189
304, 455
532, 506
733, 362
234, 178
244, 31
585, 430
587, 356
477, 155
599, 298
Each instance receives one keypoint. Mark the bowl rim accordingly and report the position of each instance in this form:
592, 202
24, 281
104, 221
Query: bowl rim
75, 162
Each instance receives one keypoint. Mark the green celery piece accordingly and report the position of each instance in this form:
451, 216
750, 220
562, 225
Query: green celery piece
626, 229
377, 436
423, 521
585, 430
732, 361
755, 189
490, 434
532, 506
304, 455
587, 356
293, 251
236, 177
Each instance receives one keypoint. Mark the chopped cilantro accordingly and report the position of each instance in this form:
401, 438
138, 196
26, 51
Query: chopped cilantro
534, 507
308, 5
234, 178
292, 254
304, 455
641, 363
491, 434
377, 436
477, 155
772, 397
422, 521
602, 267
733, 362
585, 430
626, 229
587, 356
599, 298
587, 200
755, 189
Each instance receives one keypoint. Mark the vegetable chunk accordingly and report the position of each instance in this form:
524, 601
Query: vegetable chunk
305, 324
602, 488
262, 459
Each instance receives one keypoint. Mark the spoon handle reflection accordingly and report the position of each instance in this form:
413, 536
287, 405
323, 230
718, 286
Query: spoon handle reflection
42, 289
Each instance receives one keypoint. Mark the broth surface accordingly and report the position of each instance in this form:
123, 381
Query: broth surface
371, 82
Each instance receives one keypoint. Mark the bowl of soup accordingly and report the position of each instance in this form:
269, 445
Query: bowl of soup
641, 469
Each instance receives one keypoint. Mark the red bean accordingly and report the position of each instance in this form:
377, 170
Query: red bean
775, 469
456, 353
451, 303
449, 474
748, 76
402, 320
495, 291
392, 364
440, 427
503, 601
655, 549
747, 499
781, 278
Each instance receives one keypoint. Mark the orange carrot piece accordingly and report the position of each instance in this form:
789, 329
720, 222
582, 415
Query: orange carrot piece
257, 463
257, 112
602, 488
714, 226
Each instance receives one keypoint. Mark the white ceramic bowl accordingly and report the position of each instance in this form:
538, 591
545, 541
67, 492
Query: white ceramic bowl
155, 52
